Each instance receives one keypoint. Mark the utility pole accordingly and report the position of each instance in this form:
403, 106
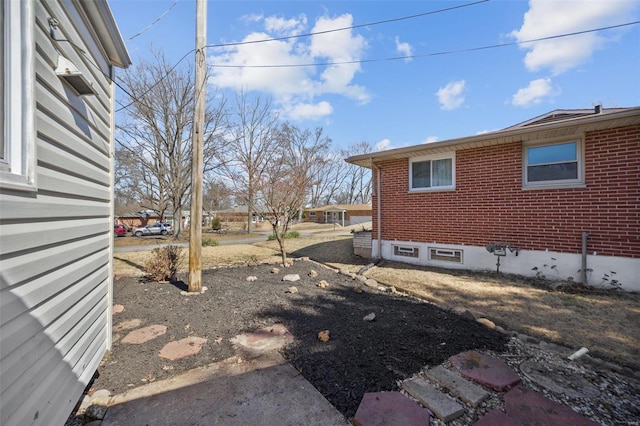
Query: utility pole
195, 222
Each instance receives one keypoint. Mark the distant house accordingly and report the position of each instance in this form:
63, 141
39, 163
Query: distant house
56, 217
238, 214
558, 195
342, 214
139, 218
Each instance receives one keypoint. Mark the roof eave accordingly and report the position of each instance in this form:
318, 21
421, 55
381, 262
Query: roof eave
105, 26
630, 116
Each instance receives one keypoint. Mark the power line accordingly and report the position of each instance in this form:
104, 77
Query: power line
386, 21
155, 21
154, 84
445, 52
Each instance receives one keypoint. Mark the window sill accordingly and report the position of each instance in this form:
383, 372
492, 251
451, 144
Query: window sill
423, 190
555, 186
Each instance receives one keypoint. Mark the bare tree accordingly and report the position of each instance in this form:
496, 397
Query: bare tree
154, 136
252, 138
217, 196
286, 181
356, 187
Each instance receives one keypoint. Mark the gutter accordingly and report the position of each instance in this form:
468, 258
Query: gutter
378, 205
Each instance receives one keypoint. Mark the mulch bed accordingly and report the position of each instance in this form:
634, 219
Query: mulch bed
407, 334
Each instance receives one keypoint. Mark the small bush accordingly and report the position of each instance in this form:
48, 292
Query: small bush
215, 224
164, 263
290, 234
210, 242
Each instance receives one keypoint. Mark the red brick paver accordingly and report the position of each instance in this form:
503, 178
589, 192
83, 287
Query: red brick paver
484, 369
530, 407
390, 408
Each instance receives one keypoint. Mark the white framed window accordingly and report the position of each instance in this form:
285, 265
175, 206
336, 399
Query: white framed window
17, 111
406, 251
553, 164
431, 173
445, 255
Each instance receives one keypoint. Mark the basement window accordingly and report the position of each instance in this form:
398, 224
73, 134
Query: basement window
406, 251
445, 255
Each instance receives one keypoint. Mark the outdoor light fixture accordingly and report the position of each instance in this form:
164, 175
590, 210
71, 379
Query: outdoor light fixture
67, 71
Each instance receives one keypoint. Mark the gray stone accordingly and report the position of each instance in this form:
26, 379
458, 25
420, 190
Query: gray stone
370, 282
292, 290
469, 392
382, 288
369, 317
558, 380
467, 314
500, 329
443, 406
361, 278
291, 277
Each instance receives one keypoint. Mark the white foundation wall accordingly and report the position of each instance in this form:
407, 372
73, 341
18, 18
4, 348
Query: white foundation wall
601, 270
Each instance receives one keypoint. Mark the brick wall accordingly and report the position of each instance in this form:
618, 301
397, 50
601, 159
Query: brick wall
490, 205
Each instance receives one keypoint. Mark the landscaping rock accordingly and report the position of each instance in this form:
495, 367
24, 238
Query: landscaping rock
323, 284
370, 282
126, 325
313, 273
275, 270
369, 317
117, 309
323, 336
486, 322
357, 289
182, 348
145, 334
252, 278
291, 277
292, 290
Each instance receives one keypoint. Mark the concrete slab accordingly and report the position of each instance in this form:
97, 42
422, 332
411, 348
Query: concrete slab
264, 391
144, 334
443, 406
487, 370
497, 418
470, 393
390, 408
530, 407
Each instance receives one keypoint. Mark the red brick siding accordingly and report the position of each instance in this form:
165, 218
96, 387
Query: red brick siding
490, 205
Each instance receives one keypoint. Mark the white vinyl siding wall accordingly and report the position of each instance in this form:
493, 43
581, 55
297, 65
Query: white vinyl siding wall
56, 244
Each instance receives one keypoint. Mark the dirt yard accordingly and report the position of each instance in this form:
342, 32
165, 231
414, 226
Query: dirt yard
607, 323
360, 356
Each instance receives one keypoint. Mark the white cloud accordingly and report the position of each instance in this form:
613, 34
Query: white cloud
383, 145
290, 26
554, 17
451, 96
533, 94
431, 139
302, 111
295, 89
404, 49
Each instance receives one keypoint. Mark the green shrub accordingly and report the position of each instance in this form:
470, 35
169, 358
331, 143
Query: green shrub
210, 242
164, 263
215, 224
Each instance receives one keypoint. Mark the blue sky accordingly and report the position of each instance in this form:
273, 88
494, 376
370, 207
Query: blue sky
410, 100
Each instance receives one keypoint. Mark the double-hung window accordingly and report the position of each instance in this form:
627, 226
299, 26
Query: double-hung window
557, 164
17, 125
432, 173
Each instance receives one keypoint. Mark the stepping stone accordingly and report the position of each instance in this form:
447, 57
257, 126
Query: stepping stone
443, 406
182, 348
470, 393
389, 408
496, 418
145, 334
530, 407
117, 309
559, 380
486, 370
126, 325
261, 341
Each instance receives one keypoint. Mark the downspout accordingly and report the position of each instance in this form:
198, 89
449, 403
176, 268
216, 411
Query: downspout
378, 205
585, 235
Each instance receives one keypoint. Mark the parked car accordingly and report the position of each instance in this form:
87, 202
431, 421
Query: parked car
119, 230
154, 229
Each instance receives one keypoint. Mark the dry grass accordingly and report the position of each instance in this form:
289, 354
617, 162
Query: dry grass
608, 324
